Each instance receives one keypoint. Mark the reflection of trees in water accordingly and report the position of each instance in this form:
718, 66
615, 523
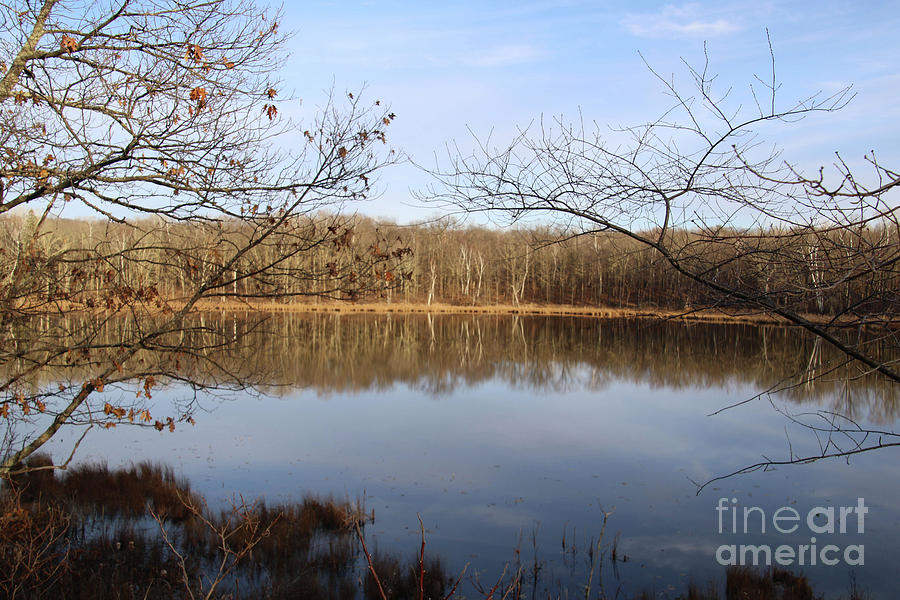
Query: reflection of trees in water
437, 354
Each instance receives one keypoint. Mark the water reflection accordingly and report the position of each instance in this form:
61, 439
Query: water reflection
334, 353
495, 429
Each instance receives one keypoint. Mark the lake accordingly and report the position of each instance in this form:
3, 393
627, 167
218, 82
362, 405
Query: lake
512, 436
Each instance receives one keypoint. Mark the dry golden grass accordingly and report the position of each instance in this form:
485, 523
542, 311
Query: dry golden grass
705, 315
380, 308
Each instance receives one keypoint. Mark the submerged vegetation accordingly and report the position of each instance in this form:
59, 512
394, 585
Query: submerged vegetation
141, 532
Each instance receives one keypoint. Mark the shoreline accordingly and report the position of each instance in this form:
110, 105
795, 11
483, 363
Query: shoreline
210, 305
554, 310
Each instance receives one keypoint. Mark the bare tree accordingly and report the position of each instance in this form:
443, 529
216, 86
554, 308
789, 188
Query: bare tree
162, 119
701, 189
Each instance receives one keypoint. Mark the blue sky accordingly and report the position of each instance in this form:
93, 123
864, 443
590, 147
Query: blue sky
448, 68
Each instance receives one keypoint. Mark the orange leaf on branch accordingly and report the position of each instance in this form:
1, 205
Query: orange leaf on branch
194, 53
68, 44
198, 95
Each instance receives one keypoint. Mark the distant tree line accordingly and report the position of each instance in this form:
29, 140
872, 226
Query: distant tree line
442, 262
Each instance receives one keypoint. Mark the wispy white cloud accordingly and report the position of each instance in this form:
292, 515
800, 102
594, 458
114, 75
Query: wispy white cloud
686, 20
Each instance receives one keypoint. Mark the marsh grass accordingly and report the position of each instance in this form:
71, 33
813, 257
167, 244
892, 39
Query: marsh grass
93, 532
745, 583
125, 492
401, 578
777, 584
141, 532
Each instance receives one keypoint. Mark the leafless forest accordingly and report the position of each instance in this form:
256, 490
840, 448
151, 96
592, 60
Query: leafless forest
89, 264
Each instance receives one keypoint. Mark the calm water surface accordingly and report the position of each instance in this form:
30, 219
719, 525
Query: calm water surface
509, 433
